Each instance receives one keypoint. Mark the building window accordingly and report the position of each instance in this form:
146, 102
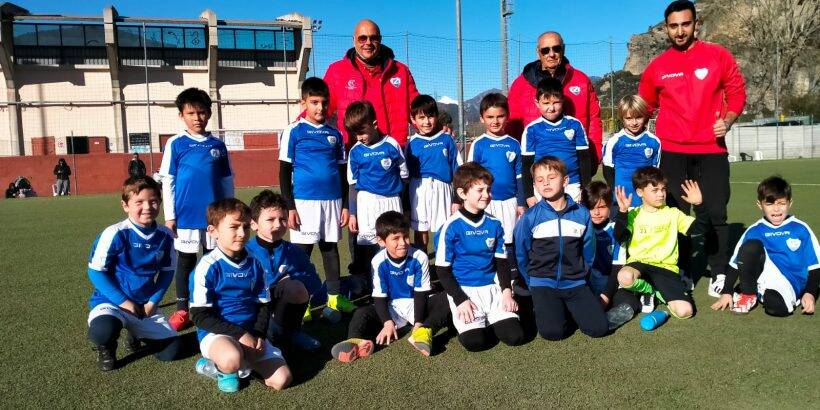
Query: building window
25, 34
129, 36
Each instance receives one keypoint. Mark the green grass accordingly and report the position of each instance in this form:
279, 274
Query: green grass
713, 359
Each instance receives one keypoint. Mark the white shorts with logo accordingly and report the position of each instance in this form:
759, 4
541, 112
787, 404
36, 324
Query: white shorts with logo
402, 312
270, 352
191, 240
155, 327
430, 201
573, 190
319, 221
489, 309
505, 211
370, 206
772, 279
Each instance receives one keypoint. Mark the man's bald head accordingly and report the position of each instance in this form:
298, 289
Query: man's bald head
552, 35
367, 40
367, 24
550, 50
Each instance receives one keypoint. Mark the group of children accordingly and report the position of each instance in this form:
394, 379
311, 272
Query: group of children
523, 240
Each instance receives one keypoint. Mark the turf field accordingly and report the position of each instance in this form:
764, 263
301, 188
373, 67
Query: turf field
713, 359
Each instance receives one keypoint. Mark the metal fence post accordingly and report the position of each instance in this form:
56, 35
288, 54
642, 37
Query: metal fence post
285, 66
147, 101
460, 80
611, 89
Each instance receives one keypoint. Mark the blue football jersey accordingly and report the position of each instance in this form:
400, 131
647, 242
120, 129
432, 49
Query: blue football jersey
608, 251
791, 246
470, 248
562, 139
393, 280
233, 289
195, 172
502, 157
288, 260
378, 168
316, 151
626, 153
436, 157
133, 256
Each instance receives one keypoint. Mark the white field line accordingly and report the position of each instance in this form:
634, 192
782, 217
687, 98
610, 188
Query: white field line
755, 183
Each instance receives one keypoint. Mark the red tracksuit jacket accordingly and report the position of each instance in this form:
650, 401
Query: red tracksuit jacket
692, 89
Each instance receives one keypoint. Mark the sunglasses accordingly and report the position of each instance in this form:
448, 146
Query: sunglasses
375, 38
555, 49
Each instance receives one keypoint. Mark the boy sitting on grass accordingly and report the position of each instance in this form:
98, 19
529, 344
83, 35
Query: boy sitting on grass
131, 266
777, 258
401, 296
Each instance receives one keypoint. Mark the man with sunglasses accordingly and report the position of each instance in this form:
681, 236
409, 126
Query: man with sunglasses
580, 100
370, 72
699, 92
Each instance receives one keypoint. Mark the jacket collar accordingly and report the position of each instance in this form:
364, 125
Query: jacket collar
386, 56
533, 73
571, 205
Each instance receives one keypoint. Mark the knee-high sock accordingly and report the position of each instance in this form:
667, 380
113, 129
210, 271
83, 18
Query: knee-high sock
185, 264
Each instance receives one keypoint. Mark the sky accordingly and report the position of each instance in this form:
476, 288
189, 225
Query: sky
585, 25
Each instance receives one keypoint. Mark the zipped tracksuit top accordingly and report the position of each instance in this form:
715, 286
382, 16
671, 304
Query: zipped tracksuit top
555, 248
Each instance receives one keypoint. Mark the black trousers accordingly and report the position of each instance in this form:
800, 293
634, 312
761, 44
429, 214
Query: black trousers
551, 307
711, 171
750, 260
365, 323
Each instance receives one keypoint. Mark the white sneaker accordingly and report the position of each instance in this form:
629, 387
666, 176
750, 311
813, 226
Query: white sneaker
716, 285
647, 303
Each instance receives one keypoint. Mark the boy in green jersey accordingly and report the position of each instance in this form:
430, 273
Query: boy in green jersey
651, 234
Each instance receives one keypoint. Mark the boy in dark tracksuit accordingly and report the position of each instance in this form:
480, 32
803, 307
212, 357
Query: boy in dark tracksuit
555, 245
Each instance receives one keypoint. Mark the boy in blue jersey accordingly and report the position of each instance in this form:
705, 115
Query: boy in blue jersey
377, 174
500, 154
230, 304
131, 266
289, 274
558, 135
401, 296
631, 148
472, 266
195, 171
555, 245
432, 158
777, 258
312, 167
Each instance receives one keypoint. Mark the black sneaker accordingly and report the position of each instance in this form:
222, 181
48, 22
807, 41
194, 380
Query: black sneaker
619, 315
106, 357
131, 343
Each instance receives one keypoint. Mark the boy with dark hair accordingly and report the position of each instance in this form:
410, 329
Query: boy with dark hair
432, 158
230, 304
777, 258
195, 171
377, 174
651, 234
555, 245
289, 274
312, 165
131, 266
472, 265
558, 135
401, 296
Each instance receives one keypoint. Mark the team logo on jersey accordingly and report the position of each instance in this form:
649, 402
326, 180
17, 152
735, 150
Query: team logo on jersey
793, 244
569, 134
510, 156
575, 90
386, 163
444, 151
648, 152
701, 73
283, 268
351, 84
331, 139
490, 242
396, 81
215, 153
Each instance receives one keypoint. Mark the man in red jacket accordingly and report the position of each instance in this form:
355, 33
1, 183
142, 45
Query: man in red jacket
580, 100
699, 91
370, 72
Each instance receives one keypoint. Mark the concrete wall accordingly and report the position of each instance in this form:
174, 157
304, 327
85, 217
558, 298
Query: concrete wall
796, 141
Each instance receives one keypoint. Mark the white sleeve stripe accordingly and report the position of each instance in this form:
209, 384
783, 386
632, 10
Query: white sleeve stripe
199, 296
501, 255
579, 147
98, 261
441, 249
284, 141
168, 180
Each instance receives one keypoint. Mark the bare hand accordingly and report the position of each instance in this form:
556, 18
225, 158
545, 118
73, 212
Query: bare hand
447, 130
149, 308
508, 303
466, 311
250, 343
454, 208
807, 302
624, 200
720, 128
293, 220
519, 210
130, 307
345, 218
387, 334
723, 303
353, 225
172, 225
604, 300
531, 201
691, 192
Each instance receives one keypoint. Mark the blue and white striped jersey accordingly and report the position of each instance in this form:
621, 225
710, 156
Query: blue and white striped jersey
435, 156
562, 139
316, 151
393, 280
626, 153
470, 248
502, 157
378, 168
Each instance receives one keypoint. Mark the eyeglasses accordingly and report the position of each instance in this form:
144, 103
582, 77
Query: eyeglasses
555, 49
374, 38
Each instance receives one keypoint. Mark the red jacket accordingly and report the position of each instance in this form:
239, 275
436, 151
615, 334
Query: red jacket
347, 84
580, 102
693, 88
